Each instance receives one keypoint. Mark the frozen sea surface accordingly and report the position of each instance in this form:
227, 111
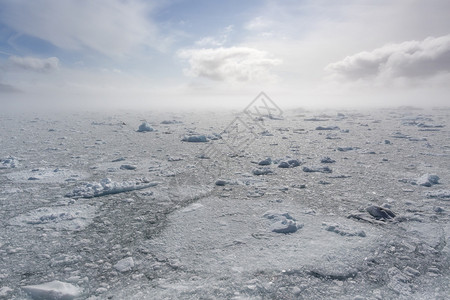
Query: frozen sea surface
92, 208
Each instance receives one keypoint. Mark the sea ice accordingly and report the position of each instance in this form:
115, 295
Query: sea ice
106, 187
56, 290
145, 127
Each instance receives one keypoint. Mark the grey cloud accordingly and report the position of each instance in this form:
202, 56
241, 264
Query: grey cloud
229, 64
34, 64
411, 59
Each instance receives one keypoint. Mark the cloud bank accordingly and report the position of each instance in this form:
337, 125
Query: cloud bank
238, 64
410, 60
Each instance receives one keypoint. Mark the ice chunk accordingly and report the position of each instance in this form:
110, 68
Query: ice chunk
345, 149
265, 162
427, 180
327, 128
292, 163
124, 265
5, 291
221, 182
325, 169
57, 290
128, 167
195, 139
73, 217
343, 230
167, 122
145, 127
440, 194
380, 212
327, 160
282, 222
106, 187
262, 171
9, 162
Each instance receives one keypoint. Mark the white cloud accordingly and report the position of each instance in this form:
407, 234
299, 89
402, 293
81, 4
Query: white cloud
411, 59
258, 24
216, 41
111, 27
33, 64
238, 64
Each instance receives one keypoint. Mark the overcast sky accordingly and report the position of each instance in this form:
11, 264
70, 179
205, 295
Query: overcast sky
136, 53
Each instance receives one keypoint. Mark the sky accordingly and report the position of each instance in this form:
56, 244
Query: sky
204, 53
